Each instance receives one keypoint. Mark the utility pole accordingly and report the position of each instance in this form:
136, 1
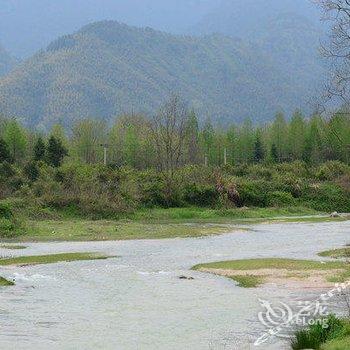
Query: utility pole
225, 156
206, 160
105, 148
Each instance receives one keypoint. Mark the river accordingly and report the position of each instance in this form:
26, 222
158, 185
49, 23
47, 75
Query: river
136, 300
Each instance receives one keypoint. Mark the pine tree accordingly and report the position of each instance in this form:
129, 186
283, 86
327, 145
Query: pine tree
39, 150
32, 171
259, 153
274, 153
55, 152
5, 155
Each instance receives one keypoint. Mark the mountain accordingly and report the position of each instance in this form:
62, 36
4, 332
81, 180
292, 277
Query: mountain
248, 19
287, 32
6, 62
27, 26
108, 68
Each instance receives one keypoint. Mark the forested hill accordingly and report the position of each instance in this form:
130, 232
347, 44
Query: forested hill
6, 62
287, 31
248, 19
107, 68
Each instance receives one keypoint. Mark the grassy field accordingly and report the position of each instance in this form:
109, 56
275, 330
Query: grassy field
336, 253
216, 215
51, 259
334, 271
159, 224
248, 281
273, 263
87, 230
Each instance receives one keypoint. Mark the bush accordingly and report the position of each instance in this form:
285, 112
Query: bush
201, 195
253, 193
326, 197
31, 170
5, 211
280, 199
332, 170
9, 225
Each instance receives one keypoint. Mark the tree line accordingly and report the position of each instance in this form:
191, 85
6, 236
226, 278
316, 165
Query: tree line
174, 138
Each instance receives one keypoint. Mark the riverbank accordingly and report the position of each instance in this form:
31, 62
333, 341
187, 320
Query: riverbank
160, 224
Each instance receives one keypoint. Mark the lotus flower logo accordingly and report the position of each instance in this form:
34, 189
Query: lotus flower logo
274, 315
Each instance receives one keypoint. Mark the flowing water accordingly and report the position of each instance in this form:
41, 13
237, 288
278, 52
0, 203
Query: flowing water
136, 300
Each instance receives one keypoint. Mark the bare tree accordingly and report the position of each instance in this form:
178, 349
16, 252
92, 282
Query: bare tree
337, 48
168, 129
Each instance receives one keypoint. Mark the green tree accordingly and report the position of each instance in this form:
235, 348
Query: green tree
32, 171
259, 152
16, 139
55, 152
88, 137
39, 150
5, 155
231, 141
279, 136
192, 139
245, 142
208, 135
296, 136
315, 141
274, 153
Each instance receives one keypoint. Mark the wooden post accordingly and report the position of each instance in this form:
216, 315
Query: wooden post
225, 156
105, 155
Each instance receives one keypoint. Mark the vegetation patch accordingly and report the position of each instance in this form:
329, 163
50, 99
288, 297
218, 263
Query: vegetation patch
248, 281
13, 246
5, 283
87, 230
160, 223
51, 259
273, 263
334, 337
254, 272
336, 253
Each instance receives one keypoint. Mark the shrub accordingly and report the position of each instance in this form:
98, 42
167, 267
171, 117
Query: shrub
253, 193
9, 225
31, 170
332, 170
326, 197
201, 195
280, 199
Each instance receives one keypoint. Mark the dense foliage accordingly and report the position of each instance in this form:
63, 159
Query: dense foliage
107, 68
170, 161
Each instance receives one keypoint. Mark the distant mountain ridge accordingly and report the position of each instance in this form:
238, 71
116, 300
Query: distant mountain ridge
108, 68
27, 26
248, 18
6, 62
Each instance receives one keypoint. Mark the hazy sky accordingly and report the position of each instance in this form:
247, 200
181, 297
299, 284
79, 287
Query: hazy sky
28, 25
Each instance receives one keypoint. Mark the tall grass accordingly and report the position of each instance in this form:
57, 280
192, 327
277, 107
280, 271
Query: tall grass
318, 335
